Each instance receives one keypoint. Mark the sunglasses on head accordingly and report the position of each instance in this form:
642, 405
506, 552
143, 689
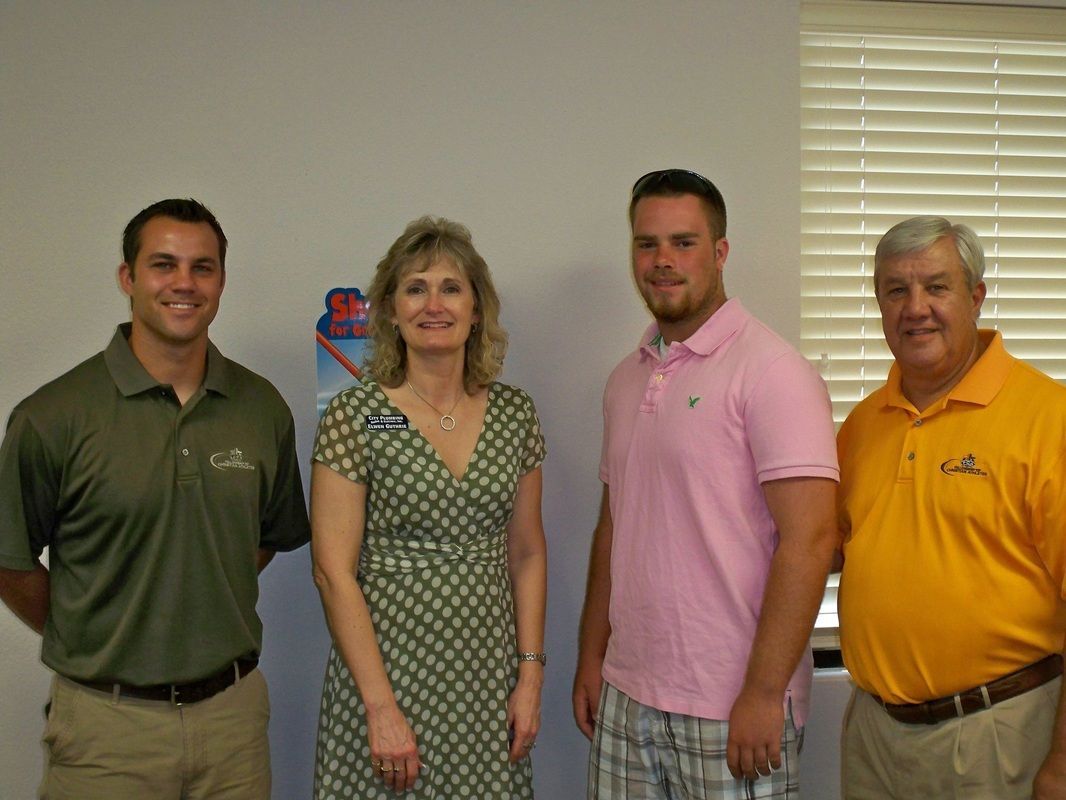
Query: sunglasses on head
682, 181
679, 180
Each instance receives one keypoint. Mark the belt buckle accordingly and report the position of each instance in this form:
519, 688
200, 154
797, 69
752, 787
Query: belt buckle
174, 700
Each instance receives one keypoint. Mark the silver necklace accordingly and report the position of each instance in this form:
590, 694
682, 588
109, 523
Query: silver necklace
447, 421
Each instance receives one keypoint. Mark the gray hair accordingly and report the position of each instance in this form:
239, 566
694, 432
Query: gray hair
917, 233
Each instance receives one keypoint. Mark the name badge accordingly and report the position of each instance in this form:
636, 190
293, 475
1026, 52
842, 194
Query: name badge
386, 422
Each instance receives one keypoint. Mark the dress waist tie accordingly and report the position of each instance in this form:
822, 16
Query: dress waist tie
388, 556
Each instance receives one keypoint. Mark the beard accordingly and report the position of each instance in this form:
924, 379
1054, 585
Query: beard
678, 309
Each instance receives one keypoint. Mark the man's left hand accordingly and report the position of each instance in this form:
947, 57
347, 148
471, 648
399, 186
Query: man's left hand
1050, 783
756, 724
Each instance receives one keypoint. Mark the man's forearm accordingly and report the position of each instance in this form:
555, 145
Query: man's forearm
595, 629
793, 595
27, 594
804, 511
595, 625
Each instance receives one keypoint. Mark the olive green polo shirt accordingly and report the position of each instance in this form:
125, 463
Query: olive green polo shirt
152, 513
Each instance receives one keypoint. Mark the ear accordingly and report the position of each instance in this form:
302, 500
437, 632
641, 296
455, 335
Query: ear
978, 297
721, 252
125, 278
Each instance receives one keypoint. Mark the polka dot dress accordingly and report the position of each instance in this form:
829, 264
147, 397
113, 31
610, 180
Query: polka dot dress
433, 569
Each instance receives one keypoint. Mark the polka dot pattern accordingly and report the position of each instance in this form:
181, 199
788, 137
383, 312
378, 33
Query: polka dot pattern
433, 570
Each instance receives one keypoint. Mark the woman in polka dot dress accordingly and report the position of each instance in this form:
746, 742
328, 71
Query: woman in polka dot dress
428, 544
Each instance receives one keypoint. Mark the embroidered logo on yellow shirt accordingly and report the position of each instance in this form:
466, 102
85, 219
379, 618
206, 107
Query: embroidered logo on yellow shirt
967, 465
234, 459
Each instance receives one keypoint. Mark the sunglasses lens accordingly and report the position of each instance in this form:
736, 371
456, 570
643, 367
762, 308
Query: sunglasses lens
677, 179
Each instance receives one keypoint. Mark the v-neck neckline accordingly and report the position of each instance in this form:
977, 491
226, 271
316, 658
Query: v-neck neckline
458, 479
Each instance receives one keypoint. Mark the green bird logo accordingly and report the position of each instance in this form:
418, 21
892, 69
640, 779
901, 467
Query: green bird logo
692, 401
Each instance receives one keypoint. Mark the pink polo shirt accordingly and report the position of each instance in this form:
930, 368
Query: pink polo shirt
687, 443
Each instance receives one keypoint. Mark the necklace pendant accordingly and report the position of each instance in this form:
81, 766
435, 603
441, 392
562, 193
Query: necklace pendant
447, 421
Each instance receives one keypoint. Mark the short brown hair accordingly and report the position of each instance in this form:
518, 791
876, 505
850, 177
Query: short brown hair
183, 210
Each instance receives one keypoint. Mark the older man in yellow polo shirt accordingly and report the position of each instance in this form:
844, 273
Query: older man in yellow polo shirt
953, 507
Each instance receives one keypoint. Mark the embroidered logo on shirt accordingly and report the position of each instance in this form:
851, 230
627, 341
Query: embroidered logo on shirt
967, 465
234, 459
693, 400
386, 422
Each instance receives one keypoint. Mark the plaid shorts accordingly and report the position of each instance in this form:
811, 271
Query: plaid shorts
641, 753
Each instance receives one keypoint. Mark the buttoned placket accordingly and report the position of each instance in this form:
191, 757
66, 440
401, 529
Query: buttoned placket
185, 451
911, 445
658, 381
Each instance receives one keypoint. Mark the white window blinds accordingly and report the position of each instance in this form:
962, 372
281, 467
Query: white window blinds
915, 108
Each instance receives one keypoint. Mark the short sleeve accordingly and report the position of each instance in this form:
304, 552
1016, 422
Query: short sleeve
29, 492
789, 422
1049, 524
341, 441
285, 526
533, 449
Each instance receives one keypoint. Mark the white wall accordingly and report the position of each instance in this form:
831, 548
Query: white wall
316, 131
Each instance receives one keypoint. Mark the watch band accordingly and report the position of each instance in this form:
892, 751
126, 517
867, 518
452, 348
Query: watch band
541, 657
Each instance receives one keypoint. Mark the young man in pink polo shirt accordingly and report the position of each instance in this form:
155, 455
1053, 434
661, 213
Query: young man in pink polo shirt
716, 529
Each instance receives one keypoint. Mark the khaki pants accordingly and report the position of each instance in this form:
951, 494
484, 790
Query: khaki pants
101, 748
990, 755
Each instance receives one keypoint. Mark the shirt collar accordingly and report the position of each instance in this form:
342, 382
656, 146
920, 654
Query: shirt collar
719, 328
132, 378
979, 385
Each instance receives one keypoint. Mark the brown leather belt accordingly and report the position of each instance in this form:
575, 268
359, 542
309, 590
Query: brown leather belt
977, 699
180, 694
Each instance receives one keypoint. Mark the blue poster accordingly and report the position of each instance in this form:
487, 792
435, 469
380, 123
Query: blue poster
341, 339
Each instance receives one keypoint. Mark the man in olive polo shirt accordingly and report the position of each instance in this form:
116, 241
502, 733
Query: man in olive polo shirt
953, 506
162, 478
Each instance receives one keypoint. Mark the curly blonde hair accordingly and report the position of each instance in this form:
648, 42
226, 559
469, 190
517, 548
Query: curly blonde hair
424, 242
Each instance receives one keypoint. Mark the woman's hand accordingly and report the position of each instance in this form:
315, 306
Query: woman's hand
523, 716
393, 749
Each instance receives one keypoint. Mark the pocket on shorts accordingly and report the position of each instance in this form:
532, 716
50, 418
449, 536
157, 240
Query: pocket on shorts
791, 731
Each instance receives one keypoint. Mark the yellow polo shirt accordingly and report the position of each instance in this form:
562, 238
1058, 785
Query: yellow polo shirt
954, 520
